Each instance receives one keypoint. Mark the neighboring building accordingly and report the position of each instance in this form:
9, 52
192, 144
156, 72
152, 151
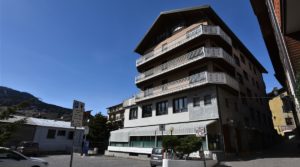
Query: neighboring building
51, 135
280, 26
281, 108
116, 114
195, 74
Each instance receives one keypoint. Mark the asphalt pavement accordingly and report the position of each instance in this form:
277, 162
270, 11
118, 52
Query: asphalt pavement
93, 161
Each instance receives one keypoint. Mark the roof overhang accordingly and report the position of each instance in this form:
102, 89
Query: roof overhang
261, 11
291, 14
168, 19
188, 128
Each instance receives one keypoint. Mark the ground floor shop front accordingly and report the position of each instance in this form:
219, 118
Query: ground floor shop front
140, 140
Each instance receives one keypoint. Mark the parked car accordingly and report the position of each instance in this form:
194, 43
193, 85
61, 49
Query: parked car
28, 148
156, 157
10, 158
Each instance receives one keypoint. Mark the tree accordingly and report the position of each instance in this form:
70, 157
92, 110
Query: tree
7, 129
188, 145
182, 146
170, 142
98, 132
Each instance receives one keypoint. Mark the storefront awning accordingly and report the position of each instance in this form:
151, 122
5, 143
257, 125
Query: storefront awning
122, 135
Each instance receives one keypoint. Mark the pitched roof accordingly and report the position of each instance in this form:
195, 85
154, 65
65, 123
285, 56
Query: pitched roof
40, 122
168, 18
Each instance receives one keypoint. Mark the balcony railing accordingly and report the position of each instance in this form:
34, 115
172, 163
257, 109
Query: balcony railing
187, 83
187, 58
200, 30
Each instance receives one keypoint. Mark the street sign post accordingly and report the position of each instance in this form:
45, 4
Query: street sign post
77, 119
77, 115
201, 132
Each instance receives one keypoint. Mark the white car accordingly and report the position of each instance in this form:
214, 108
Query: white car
10, 158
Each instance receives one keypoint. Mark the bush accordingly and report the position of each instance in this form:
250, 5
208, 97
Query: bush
188, 145
182, 146
170, 142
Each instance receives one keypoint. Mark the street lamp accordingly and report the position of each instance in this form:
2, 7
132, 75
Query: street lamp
171, 130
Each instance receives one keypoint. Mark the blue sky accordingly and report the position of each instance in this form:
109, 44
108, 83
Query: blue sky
60, 50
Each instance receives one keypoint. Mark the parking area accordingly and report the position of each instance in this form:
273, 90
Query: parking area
93, 161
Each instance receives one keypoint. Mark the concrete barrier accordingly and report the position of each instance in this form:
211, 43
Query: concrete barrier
187, 163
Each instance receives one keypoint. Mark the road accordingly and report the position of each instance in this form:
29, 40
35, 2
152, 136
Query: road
93, 161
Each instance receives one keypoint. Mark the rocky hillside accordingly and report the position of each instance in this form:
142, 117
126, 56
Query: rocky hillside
36, 108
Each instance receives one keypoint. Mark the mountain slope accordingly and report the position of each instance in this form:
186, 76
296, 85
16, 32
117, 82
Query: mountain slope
36, 108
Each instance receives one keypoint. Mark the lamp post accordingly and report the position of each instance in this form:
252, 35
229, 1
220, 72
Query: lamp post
171, 130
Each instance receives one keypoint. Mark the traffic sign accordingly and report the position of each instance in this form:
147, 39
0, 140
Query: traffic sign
200, 131
77, 116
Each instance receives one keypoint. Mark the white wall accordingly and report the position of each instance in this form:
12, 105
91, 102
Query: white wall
194, 113
59, 143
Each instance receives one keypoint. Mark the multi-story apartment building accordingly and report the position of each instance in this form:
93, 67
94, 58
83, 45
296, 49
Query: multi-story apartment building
116, 114
280, 27
281, 108
195, 76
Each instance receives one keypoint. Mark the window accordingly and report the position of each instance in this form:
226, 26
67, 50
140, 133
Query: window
256, 97
61, 133
147, 111
253, 82
226, 102
249, 93
243, 59
51, 134
237, 60
250, 65
71, 135
243, 98
133, 113
207, 99
246, 75
240, 78
162, 108
196, 101
180, 105
289, 121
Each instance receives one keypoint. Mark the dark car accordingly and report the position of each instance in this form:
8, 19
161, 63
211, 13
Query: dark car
28, 148
156, 157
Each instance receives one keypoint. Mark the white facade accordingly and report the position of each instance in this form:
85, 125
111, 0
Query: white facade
58, 143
